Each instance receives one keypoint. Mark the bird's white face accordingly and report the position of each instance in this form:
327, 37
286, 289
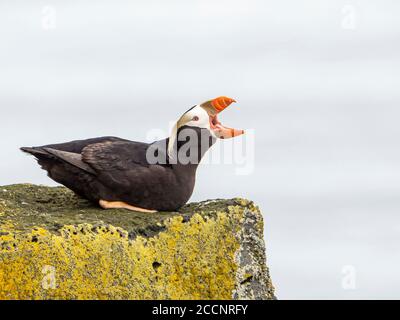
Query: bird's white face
195, 117
204, 116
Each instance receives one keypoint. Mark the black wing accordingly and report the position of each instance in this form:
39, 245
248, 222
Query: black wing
77, 146
124, 165
69, 152
119, 155
106, 169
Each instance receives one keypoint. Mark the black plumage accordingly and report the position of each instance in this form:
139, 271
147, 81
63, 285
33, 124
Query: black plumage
115, 169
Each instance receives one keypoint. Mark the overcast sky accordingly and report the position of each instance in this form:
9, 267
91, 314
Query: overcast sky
317, 81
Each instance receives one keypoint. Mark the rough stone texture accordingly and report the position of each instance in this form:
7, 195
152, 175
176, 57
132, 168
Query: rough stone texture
55, 245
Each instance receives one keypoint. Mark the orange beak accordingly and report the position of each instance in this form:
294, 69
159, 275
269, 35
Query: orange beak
221, 103
219, 130
223, 132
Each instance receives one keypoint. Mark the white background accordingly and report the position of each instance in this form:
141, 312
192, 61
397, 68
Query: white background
317, 80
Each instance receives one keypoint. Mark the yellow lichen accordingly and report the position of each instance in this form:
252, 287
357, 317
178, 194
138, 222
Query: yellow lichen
191, 260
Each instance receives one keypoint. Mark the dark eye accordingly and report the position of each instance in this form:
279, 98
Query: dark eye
195, 118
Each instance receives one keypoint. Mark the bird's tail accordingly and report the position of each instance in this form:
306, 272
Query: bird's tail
36, 151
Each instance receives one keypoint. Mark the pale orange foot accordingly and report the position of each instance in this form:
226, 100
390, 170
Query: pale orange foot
122, 205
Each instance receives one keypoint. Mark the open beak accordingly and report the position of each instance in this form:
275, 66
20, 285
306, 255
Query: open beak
215, 106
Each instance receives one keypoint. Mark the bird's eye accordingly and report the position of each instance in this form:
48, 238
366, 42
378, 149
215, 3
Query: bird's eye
195, 118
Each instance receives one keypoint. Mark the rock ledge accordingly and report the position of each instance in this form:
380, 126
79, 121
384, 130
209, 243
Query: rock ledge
55, 245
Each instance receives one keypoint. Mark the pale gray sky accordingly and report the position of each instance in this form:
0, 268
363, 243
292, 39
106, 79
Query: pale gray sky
320, 89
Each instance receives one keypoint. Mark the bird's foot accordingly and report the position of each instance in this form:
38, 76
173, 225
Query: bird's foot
122, 205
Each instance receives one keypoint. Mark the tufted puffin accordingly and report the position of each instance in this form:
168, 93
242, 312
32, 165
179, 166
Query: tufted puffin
146, 177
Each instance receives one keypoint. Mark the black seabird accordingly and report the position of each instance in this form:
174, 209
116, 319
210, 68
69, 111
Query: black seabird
147, 177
